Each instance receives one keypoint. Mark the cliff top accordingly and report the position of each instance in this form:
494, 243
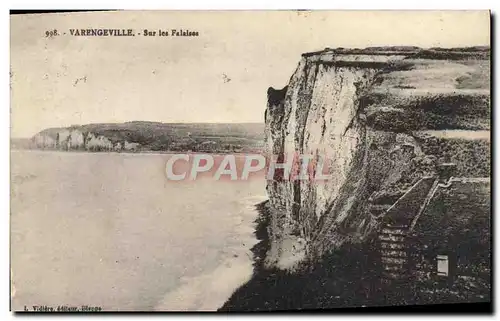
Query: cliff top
467, 53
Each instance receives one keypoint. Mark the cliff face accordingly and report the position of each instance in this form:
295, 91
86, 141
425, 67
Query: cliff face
366, 114
153, 136
74, 139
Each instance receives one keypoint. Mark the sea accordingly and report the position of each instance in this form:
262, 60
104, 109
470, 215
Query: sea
109, 230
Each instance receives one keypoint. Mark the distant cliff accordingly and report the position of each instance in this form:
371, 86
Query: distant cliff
77, 139
382, 118
152, 136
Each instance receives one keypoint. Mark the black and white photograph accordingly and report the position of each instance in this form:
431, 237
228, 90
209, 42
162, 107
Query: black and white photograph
249, 161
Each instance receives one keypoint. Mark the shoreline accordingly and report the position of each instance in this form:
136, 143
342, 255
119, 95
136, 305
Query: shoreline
132, 153
208, 291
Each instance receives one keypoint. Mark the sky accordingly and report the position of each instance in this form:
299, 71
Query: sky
220, 76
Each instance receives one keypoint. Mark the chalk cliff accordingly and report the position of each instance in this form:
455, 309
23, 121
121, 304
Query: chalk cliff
153, 136
75, 139
380, 119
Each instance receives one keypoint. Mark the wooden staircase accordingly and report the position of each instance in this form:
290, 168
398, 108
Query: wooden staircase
394, 252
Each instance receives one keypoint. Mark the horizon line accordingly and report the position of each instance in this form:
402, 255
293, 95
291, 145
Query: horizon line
135, 121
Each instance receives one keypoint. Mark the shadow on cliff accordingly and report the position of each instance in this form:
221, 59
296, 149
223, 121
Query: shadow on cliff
320, 287
341, 281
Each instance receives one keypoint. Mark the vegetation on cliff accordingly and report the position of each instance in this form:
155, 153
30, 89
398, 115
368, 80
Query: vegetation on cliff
154, 136
344, 279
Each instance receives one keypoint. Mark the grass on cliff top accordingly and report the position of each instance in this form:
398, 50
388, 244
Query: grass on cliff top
431, 95
429, 113
439, 75
474, 51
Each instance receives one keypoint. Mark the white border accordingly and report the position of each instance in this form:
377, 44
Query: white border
190, 5
255, 5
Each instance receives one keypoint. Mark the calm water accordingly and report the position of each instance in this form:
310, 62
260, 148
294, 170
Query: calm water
109, 230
